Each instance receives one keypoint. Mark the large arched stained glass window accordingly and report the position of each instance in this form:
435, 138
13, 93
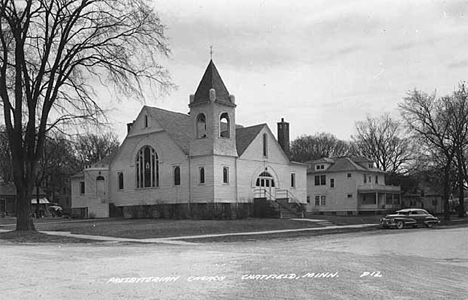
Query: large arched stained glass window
147, 168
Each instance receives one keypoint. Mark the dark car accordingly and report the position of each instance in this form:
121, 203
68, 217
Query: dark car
409, 217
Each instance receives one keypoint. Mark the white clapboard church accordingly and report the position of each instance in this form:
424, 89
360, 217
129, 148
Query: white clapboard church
199, 165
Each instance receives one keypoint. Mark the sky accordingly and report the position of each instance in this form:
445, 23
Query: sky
320, 65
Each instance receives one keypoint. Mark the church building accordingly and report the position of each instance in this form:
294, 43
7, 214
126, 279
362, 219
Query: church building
200, 165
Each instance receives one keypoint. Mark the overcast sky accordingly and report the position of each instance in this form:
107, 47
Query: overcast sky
321, 65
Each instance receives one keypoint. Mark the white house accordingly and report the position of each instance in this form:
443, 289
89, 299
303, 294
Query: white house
349, 185
198, 164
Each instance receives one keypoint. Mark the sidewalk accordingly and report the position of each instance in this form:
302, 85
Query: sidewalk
180, 240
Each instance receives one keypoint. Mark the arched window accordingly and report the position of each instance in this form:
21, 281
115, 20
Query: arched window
202, 175
225, 175
177, 175
147, 168
120, 180
224, 126
201, 126
100, 186
265, 179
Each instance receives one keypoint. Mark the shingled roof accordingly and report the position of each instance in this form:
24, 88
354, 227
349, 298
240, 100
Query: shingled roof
211, 80
341, 164
177, 126
245, 136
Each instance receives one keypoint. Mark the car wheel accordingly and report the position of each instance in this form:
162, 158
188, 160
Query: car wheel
400, 224
429, 225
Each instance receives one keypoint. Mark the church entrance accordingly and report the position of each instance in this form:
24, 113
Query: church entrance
266, 186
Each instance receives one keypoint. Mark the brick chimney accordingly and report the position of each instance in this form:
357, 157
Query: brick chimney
283, 135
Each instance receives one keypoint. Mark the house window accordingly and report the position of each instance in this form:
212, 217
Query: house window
320, 180
293, 180
349, 175
320, 200
371, 165
319, 167
376, 179
177, 175
350, 195
120, 180
365, 178
308, 199
224, 126
332, 182
323, 200
265, 145
201, 126
147, 168
225, 175
202, 174
82, 187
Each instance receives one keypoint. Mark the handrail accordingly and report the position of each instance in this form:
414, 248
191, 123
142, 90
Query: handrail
292, 199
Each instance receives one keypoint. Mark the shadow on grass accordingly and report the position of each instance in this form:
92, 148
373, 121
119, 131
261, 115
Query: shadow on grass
24, 237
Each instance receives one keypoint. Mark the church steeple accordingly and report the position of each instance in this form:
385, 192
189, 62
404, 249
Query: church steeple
212, 88
213, 114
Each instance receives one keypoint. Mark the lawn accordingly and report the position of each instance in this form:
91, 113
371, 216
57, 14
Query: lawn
150, 228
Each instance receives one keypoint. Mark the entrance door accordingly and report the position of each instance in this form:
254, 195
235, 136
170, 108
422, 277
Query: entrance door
266, 184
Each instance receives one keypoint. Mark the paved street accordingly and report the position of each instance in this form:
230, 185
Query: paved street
406, 264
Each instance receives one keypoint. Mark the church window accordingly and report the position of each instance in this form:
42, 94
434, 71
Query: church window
293, 180
265, 145
82, 187
147, 168
201, 126
120, 179
225, 175
177, 175
224, 126
146, 121
202, 175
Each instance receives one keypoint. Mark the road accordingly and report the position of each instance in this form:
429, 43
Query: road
406, 264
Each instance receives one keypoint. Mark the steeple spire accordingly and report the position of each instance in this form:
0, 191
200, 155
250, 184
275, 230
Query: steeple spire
211, 80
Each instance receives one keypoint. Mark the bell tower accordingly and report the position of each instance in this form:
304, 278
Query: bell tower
213, 117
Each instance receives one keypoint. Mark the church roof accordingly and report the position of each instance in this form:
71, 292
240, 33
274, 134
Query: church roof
211, 80
177, 126
245, 136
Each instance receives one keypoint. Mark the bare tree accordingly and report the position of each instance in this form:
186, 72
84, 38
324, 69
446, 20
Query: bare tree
51, 51
91, 148
307, 147
440, 126
382, 140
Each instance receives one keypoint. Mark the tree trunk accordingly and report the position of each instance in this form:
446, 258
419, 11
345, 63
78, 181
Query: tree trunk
24, 220
461, 196
447, 192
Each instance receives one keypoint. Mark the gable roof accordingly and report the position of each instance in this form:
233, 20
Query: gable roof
245, 136
345, 164
177, 126
211, 80
342, 164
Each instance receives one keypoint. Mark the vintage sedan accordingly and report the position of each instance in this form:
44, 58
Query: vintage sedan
409, 217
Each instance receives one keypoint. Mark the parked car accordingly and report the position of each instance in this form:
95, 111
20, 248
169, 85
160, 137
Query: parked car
409, 217
56, 210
